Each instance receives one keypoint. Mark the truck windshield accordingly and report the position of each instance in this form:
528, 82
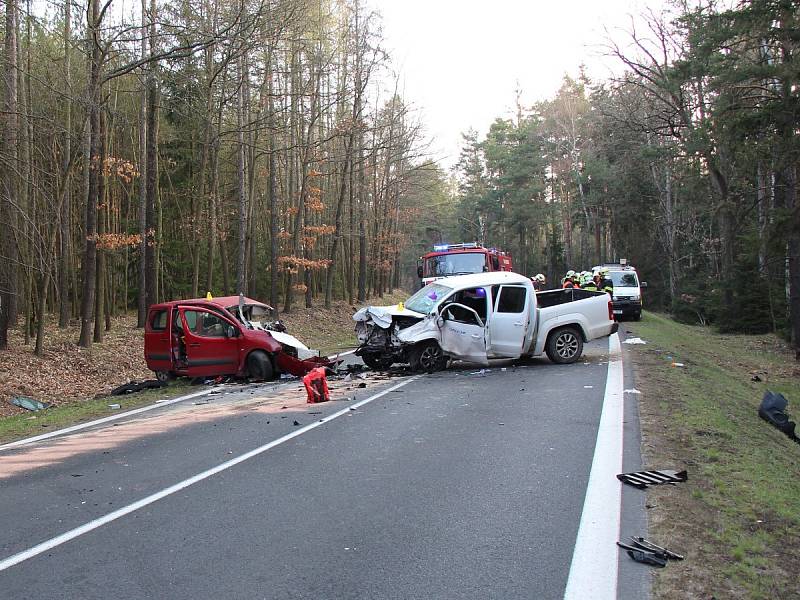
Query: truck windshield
428, 297
624, 279
454, 264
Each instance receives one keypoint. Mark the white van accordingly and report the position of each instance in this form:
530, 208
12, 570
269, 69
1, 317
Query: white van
627, 289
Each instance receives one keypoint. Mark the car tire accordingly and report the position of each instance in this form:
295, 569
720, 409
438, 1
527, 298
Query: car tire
259, 366
376, 361
165, 376
427, 357
637, 316
564, 345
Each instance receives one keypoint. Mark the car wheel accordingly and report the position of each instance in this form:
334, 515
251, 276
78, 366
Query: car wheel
564, 346
165, 376
259, 366
377, 361
637, 316
427, 356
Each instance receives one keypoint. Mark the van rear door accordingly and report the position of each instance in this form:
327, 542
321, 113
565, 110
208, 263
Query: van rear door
156, 340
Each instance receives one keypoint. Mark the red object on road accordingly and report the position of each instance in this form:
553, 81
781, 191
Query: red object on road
316, 386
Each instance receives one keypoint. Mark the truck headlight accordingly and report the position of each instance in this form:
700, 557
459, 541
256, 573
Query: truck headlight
636, 298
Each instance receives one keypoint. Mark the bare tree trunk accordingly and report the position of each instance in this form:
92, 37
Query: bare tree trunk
90, 247
141, 294
100, 284
66, 210
241, 184
151, 265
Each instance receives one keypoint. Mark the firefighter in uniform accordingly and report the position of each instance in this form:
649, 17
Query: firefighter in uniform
606, 283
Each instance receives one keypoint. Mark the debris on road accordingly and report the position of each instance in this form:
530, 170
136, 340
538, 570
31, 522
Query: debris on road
643, 479
29, 403
773, 411
649, 546
643, 556
114, 406
677, 364
634, 340
631, 391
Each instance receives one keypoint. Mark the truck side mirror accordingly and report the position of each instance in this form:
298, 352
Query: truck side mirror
230, 331
643, 284
419, 271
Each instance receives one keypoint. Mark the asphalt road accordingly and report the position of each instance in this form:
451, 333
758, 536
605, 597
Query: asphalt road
454, 485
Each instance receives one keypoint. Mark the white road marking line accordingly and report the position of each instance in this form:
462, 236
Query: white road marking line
81, 426
593, 572
126, 510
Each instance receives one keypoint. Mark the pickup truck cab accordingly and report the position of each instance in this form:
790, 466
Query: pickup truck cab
479, 317
230, 335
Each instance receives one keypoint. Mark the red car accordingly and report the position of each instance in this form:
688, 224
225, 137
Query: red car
204, 338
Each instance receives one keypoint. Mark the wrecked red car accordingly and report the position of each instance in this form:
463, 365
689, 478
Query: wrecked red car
232, 335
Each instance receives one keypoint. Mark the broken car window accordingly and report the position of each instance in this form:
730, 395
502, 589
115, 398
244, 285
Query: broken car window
427, 298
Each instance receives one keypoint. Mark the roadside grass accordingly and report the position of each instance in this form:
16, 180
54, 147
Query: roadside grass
738, 517
35, 423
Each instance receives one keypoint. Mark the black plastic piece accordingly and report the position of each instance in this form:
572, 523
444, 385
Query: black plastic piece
643, 479
643, 556
773, 411
649, 546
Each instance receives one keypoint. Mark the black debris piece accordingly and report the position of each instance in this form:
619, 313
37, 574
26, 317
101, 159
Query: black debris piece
362, 385
29, 403
643, 479
649, 546
755, 378
643, 556
137, 386
773, 411
296, 424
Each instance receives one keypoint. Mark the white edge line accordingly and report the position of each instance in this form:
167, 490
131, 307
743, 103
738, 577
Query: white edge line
126, 510
128, 413
593, 572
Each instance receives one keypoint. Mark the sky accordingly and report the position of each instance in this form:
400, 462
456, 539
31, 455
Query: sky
460, 61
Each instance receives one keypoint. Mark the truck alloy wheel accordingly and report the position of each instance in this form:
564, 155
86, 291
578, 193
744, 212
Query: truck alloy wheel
427, 356
564, 346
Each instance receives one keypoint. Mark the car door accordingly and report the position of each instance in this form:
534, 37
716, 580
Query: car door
463, 333
509, 321
209, 350
156, 340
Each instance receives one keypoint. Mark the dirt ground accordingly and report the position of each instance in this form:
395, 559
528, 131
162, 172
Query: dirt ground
68, 374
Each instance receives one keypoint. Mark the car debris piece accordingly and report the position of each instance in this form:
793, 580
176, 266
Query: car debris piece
649, 546
643, 556
643, 479
631, 391
634, 340
138, 386
773, 411
114, 406
29, 403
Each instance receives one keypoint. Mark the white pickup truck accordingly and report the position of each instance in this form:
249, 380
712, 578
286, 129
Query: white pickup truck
479, 317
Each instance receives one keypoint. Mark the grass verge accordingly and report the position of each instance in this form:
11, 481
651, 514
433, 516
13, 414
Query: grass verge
35, 423
737, 519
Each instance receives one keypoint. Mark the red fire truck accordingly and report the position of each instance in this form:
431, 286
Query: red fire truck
461, 259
